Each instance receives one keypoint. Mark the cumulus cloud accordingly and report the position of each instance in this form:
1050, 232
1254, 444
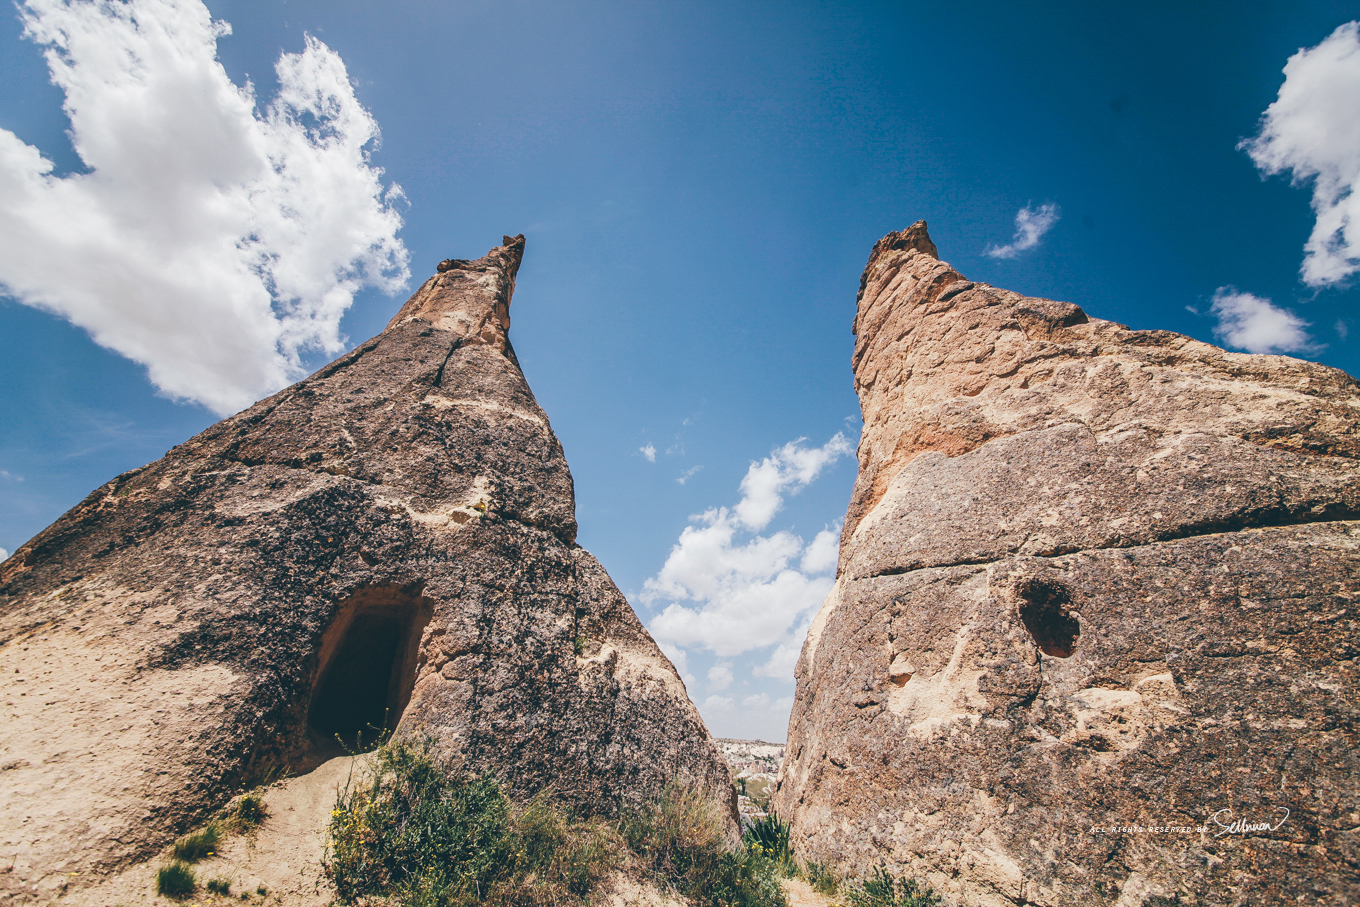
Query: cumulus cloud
210, 241
680, 658
649, 451
1257, 325
720, 677
1030, 226
1312, 130
729, 590
4, 555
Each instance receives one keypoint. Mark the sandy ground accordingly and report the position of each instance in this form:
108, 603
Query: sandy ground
282, 858
801, 894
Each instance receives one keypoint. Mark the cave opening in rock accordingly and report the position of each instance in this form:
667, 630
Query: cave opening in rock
366, 667
1045, 608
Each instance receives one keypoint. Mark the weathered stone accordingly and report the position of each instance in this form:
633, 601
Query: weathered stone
392, 537
1091, 580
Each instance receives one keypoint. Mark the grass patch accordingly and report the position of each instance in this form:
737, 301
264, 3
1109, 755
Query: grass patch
199, 845
248, 814
219, 886
176, 880
771, 837
680, 840
882, 890
263, 772
821, 877
418, 832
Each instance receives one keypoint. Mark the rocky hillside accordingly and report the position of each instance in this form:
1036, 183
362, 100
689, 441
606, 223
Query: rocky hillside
389, 544
1093, 638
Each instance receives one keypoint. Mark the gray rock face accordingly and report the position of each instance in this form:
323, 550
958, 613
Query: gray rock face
389, 543
1096, 604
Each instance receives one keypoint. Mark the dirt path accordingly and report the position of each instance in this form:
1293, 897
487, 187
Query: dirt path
801, 894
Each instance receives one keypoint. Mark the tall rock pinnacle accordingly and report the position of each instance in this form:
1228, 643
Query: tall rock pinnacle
1093, 638
387, 544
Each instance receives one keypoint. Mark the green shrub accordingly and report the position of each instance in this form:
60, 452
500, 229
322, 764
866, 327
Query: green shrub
176, 880
248, 814
219, 886
418, 831
771, 837
882, 890
199, 845
681, 842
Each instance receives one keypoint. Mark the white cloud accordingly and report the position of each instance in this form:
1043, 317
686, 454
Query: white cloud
1343, 330
719, 704
649, 451
1030, 226
212, 242
821, 555
732, 596
784, 658
680, 658
719, 677
4, 555
1256, 325
687, 474
1313, 130
789, 468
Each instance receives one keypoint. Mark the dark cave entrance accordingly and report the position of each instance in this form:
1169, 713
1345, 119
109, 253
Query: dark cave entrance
367, 667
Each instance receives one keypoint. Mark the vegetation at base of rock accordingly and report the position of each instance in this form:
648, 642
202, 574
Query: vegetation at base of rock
772, 837
202, 843
821, 877
882, 890
176, 880
418, 831
263, 772
680, 841
248, 814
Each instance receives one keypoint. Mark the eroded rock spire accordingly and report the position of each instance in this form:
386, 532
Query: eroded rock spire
388, 544
1096, 588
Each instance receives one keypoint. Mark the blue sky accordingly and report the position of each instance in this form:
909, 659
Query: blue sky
700, 185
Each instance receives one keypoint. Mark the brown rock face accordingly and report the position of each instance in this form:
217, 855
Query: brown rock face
389, 543
1096, 604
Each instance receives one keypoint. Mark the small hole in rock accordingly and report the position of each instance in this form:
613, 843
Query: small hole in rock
1044, 607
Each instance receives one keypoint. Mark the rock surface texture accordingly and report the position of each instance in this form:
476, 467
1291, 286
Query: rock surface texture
392, 538
1096, 603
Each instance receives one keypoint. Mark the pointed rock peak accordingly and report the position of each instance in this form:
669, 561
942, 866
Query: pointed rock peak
469, 298
914, 237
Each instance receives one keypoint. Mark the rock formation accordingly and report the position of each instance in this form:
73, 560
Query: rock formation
1096, 586
389, 543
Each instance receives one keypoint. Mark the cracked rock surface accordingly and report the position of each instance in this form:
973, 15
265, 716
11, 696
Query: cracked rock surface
1096, 586
389, 543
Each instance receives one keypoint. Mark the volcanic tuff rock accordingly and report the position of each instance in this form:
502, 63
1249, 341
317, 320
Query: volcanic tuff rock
391, 538
1093, 583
